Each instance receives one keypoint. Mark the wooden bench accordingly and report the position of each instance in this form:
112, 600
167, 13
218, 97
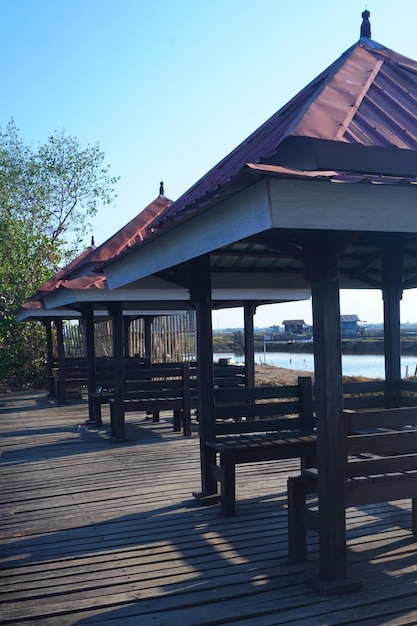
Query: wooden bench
381, 466
133, 373
75, 376
259, 424
75, 373
161, 389
224, 376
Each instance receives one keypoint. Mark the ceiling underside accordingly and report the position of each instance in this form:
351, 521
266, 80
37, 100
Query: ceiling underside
281, 253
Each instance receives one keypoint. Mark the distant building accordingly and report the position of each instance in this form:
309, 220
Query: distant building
298, 327
273, 329
351, 326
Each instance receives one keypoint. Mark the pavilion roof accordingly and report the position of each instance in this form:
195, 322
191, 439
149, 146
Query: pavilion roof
366, 98
91, 258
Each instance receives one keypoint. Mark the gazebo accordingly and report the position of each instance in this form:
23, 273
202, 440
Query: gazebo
80, 291
77, 292
321, 196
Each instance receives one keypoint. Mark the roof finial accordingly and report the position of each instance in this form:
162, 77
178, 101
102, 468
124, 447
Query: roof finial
161, 189
366, 24
93, 245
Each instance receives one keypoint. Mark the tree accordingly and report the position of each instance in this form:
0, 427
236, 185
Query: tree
48, 194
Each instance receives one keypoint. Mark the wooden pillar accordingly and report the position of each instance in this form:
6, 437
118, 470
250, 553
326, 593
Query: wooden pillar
87, 312
249, 310
118, 430
200, 292
49, 357
392, 274
61, 391
148, 319
126, 330
322, 270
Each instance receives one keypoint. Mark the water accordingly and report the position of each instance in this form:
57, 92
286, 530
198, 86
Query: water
367, 365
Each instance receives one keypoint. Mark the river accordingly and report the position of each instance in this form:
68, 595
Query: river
367, 365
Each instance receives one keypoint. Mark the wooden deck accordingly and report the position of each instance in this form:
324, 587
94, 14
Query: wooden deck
95, 532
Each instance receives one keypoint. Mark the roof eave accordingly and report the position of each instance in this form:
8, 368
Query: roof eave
309, 153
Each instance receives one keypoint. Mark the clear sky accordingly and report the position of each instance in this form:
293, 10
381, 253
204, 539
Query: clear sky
169, 87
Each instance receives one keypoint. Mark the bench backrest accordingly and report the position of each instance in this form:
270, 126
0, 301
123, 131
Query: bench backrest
381, 441
132, 367
160, 382
408, 390
229, 376
152, 383
76, 370
259, 409
364, 395
371, 394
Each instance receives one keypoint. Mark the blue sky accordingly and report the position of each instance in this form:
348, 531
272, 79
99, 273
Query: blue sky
169, 87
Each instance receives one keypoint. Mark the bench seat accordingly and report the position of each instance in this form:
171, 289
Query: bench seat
250, 447
233, 450
154, 405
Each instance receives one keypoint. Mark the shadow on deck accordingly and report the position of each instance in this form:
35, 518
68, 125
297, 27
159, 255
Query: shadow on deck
100, 533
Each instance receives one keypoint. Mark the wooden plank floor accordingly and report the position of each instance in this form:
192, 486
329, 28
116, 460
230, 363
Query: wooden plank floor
95, 532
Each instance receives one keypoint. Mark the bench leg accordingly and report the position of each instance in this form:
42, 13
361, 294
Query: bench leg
414, 516
228, 488
155, 416
186, 422
297, 532
177, 420
97, 413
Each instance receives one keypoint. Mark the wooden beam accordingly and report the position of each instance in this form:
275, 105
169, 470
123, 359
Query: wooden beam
118, 428
148, 320
392, 274
49, 356
87, 312
200, 293
126, 328
317, 154
249, 310
331, 445
306, 204
62, 395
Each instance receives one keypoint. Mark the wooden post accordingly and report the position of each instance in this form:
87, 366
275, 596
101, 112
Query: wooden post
126, 329
392, 273
186, 394
61, 391
87, 312
305, 390
118, 430
200, 292
249, 310
148, 319
49, 356
321, 267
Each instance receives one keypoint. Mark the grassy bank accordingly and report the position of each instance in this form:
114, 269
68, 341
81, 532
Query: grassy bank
225, 343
